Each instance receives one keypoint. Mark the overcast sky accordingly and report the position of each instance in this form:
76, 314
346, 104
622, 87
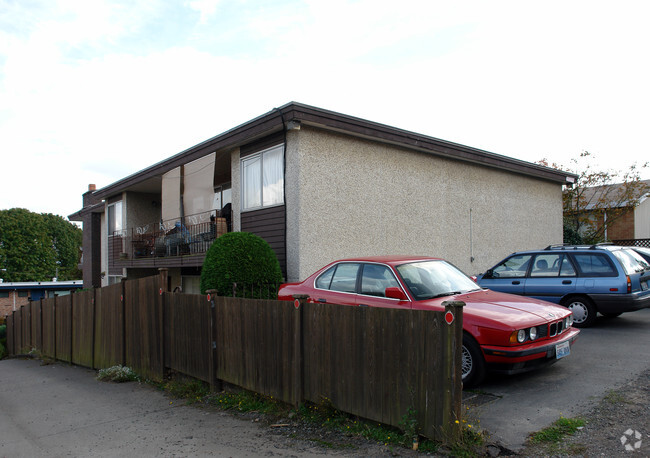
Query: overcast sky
92, 91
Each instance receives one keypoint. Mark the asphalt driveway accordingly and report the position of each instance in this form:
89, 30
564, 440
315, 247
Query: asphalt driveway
604, 357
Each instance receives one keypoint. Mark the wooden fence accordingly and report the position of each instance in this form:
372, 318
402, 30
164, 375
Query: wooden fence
372, 362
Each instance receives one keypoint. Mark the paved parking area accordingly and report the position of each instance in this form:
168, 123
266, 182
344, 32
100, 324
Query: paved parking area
605, 357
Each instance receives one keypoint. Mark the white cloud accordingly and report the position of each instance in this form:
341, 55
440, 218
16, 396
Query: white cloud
93, 93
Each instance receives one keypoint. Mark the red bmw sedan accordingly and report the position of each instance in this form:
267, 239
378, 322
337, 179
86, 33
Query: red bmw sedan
502, 332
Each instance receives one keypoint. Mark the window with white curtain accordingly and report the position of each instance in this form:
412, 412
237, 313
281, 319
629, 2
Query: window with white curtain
263, 179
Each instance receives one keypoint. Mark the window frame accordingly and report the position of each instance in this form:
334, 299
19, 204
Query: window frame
260, 156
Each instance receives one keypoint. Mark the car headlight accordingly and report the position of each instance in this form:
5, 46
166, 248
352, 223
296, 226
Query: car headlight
532, 333
568, 321
521, 336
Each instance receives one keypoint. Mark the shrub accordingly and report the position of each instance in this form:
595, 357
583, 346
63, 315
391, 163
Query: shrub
242, 258
2, 351
3, 331
118, 374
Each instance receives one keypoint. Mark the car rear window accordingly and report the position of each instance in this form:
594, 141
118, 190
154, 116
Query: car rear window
594, 265
631, 261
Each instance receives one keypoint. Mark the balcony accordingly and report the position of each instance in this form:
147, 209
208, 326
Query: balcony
180, 242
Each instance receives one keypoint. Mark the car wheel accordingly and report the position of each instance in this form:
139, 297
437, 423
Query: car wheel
473, 365
584, 312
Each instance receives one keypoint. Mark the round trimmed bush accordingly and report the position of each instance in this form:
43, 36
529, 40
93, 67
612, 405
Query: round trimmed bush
242, 258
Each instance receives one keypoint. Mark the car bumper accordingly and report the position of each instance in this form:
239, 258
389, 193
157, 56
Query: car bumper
619, 303
510, 360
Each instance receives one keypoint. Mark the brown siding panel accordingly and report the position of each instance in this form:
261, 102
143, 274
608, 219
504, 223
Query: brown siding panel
269, 223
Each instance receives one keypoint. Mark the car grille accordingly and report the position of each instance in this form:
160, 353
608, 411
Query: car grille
555, 328
551, 329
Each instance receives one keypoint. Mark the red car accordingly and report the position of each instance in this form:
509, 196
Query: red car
502, 332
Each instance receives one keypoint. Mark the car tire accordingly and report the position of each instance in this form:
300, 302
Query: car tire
584, 312
473, 362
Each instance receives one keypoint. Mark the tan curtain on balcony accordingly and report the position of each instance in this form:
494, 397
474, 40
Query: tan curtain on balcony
171, 196
198, 198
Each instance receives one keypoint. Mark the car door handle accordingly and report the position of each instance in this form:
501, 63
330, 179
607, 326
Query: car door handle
324, 301
516, 282
566, 282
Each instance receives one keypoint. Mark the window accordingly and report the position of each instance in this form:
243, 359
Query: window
4, 293
23, 293
513, 267
114, 218
375, 279
341, 277
263, 179
552, 265
595, 265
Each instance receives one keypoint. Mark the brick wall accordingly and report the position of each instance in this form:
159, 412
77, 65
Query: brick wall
7, 303
622, 228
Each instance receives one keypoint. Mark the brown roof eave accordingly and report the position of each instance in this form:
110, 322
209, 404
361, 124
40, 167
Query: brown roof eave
78, 216
271, 122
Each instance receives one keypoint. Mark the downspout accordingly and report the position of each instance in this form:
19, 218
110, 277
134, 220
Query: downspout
181, 205
284, 179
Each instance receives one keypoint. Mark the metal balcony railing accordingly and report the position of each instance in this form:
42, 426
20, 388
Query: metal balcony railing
179, 237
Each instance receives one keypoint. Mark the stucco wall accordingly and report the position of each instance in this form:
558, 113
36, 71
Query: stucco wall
642, 220
352, 197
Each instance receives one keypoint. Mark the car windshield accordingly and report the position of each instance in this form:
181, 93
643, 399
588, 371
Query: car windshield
632, 261
429, 279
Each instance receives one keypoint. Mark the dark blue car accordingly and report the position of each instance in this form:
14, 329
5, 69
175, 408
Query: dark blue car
592, 279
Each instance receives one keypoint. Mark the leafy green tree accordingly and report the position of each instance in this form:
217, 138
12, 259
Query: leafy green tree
597, 193
38, 247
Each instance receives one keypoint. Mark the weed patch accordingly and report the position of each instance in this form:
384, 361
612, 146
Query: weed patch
117, 374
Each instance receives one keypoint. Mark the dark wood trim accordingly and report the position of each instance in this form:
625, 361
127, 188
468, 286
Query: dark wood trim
270, 124
269, 223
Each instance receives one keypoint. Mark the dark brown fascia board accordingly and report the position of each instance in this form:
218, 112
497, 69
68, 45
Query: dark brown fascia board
272, 122
411, 140
78, 216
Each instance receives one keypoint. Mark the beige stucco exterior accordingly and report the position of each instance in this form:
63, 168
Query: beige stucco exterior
353, 197
642, 220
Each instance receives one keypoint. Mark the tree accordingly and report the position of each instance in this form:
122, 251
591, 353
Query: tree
38, 247
598, 198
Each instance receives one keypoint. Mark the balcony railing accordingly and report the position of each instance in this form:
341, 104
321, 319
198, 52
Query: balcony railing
173, 238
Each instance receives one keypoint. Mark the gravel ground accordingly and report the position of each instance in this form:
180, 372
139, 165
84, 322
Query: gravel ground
620, 419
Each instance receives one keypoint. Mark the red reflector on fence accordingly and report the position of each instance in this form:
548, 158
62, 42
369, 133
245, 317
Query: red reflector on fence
449, 317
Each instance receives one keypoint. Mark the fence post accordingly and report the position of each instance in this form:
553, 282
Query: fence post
215, 383
72, 328
123, 305
299, 301
452, 374
54, 326
163, 272
94, 331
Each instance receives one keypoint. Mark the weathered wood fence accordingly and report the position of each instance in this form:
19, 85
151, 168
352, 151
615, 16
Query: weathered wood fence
372, 362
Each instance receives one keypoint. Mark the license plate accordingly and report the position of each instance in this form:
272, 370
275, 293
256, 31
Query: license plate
562, 349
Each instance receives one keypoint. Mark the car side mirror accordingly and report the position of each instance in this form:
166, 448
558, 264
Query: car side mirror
395, 293
488, 274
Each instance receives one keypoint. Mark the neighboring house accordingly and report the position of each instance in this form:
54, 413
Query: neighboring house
609, 211
319, 186
14, 295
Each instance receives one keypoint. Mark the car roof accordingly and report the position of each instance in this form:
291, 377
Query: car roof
567, 247
389, 259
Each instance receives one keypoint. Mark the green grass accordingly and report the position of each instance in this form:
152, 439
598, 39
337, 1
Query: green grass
556, 433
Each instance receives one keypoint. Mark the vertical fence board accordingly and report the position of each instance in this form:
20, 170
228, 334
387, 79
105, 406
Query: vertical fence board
63, 328
188, 347
37, 326
48, 307
143, 331
82, 326
11, 335
109, 329
18, 329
